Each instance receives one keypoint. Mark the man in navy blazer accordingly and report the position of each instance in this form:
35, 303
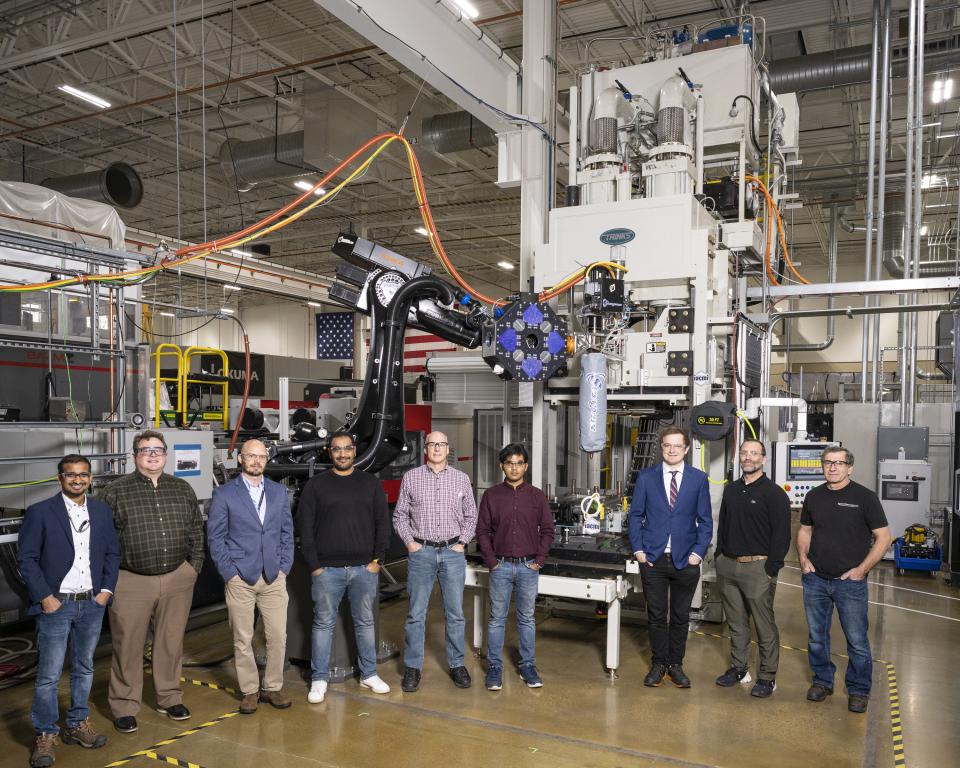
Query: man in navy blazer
250, 535
69, 559
671, 525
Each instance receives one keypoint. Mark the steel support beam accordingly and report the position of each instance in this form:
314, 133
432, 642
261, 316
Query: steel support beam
858, 288
439, 44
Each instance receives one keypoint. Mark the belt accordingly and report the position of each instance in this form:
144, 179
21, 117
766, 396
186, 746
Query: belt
751, 558
516, 559
437, 544
64, 597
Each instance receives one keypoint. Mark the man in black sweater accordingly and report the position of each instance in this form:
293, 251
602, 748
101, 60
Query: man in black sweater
753, 536
344, 528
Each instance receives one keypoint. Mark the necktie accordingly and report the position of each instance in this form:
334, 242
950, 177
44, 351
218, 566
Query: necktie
674, 488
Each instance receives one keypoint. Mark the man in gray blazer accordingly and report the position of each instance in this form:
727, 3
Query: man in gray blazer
250, 534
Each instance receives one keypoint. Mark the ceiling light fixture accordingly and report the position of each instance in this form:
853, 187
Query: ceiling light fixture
306, 186
84, 96
923, 230
232, 288
422, 231
314, 304
932, 180
227, 311
166, 314
505, 265
467, 7
238, 252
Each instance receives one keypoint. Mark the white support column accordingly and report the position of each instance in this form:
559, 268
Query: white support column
537, 182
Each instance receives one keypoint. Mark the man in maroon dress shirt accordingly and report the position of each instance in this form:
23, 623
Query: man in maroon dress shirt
514, 533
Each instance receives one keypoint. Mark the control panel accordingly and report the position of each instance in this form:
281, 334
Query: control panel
797, 468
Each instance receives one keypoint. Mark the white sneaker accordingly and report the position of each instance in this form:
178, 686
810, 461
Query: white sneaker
318, 689
375, 684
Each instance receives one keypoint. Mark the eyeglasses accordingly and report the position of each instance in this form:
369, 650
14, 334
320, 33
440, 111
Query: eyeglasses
516, 464
833, 464
343, 449
76, 475
437, 445
151, 451
255, 456
673, 446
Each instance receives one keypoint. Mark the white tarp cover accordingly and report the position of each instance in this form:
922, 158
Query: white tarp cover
95, 224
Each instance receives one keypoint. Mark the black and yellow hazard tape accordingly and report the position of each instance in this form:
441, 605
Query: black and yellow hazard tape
202, 684
170, 760
899, 760
171, 740
896, 727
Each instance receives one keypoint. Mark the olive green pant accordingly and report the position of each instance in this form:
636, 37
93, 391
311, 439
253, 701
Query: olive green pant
747, 592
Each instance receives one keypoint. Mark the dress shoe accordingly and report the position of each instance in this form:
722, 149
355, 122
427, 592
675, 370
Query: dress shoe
818, 692
411, 680
675, 672
126, 724
275, 699
175, 712
655, 676
248, 704
460, 677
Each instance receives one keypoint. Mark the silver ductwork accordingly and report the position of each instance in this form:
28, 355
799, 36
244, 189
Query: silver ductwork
850, 66
456, 132
246, 163
118, 185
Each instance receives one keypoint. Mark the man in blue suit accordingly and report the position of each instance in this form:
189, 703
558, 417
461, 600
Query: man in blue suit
69, 558
670, 529
250, 535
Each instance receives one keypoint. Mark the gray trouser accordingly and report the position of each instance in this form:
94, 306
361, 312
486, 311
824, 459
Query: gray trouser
747, 592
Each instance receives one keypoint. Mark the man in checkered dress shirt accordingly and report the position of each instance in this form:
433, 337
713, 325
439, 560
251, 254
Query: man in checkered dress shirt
435, 516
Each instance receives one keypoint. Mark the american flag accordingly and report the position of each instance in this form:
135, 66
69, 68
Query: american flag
416, 345
335, 336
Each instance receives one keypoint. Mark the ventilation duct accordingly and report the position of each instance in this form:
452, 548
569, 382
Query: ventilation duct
246, 163
118, 185
456, 132
850, 66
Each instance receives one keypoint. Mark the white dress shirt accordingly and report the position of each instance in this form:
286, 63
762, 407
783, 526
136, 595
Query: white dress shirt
78, 578
667, 474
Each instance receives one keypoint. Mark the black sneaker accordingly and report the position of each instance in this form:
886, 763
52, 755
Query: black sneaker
655, 676
675, 672
411, 680
125, 724
763, 688
857, 703
733, 676
460, 677
176, 712
818, 692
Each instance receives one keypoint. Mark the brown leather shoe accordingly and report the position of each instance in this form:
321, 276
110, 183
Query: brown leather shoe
84, 735
275, 699
248, 705
42, 755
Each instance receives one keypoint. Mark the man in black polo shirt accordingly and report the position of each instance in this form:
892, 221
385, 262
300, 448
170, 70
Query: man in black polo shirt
514, 533
753, 537
839, 520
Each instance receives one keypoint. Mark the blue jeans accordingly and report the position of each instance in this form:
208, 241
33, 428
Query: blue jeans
424, 567
77, 622
327, 590
522, 581
850, 597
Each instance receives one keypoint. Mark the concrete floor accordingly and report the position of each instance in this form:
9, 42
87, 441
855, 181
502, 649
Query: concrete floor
580, 717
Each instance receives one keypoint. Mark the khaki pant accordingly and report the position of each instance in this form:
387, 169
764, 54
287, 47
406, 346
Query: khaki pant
271, 599
747, 592
137, 600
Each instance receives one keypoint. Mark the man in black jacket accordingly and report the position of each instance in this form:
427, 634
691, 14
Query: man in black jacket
344, 528
753, 536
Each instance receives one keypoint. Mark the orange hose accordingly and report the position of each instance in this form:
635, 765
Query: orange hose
772, 210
